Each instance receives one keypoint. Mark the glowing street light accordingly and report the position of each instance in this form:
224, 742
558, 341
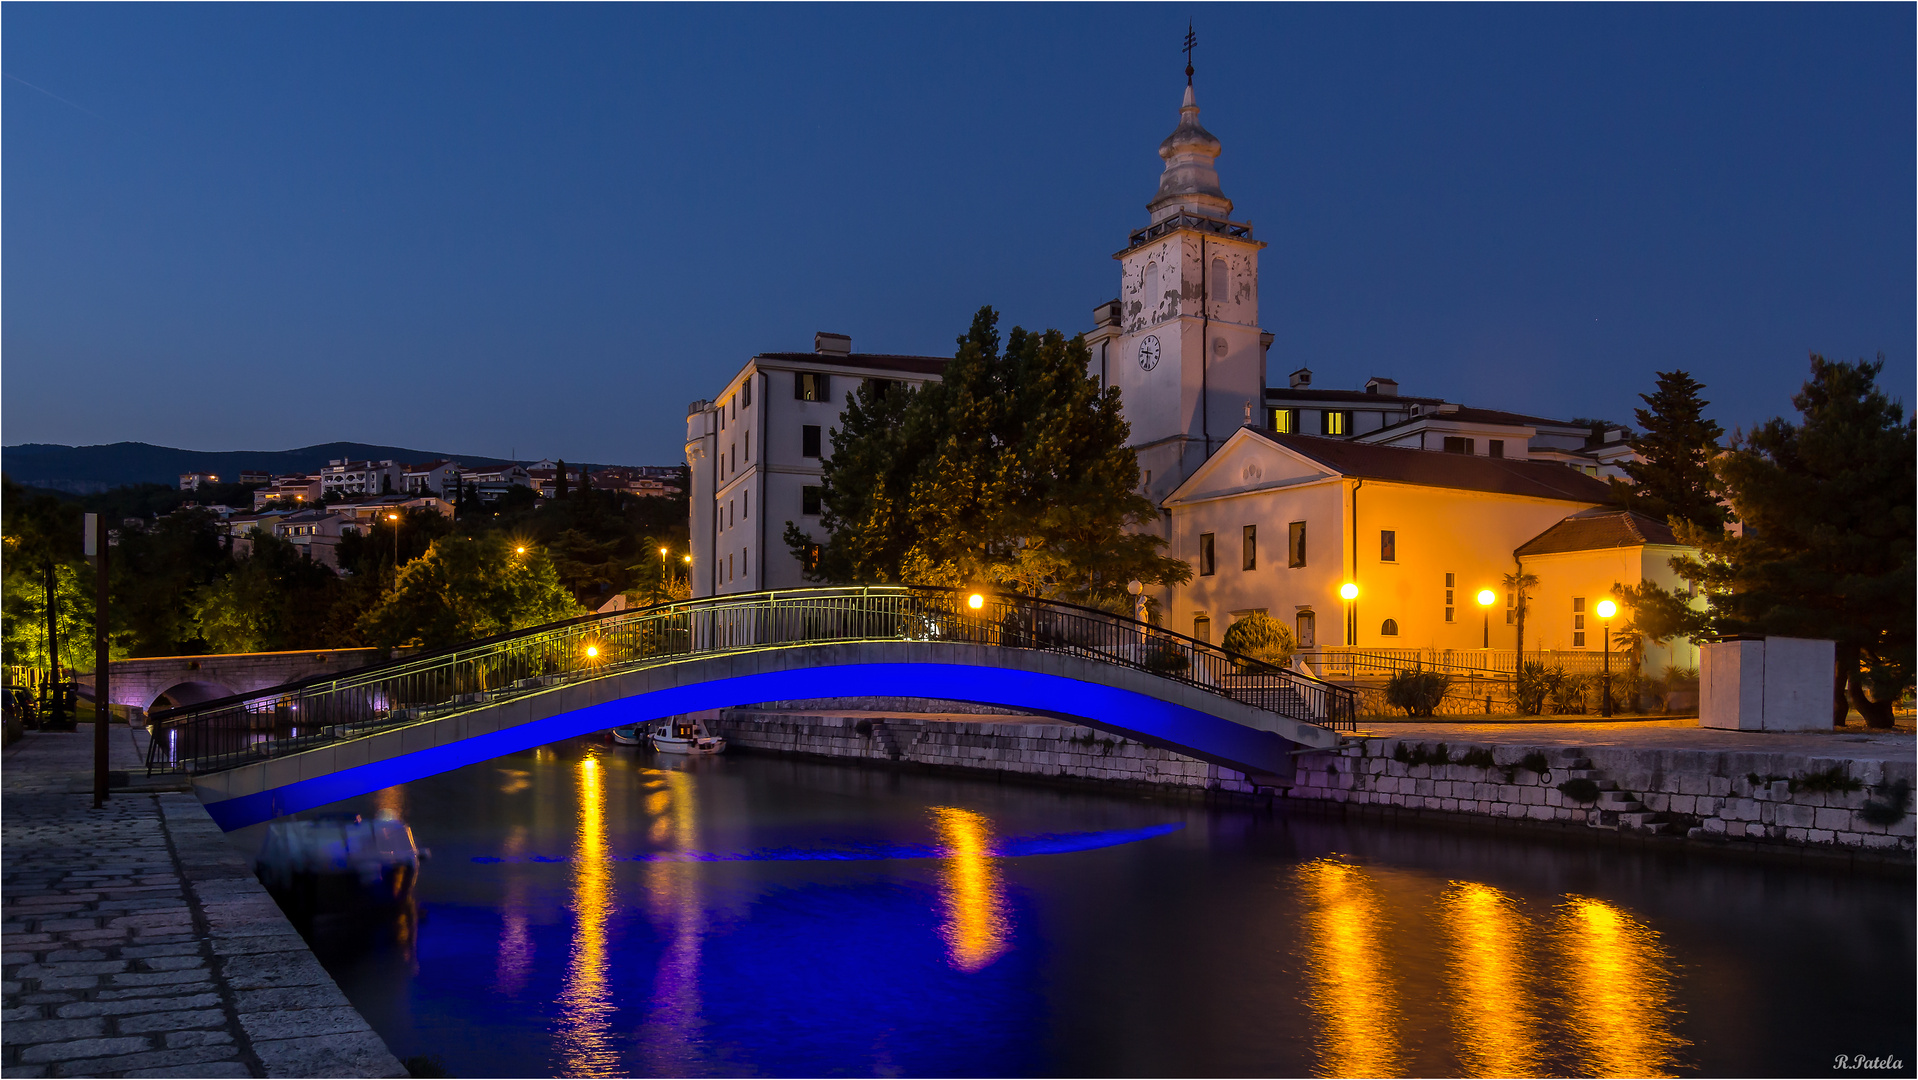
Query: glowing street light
1349, 592
592, 652
1486, 598
1606, 609
520, 550
975, 601
395, 519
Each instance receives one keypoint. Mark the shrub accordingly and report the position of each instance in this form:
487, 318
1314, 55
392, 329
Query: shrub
1418, 755
1261, 637
1568, 696
1419, 693
1477, 757
1165, 658
1535, 685
1579, 790
1536, 762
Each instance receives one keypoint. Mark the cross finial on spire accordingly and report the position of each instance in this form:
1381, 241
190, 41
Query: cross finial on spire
1191, 42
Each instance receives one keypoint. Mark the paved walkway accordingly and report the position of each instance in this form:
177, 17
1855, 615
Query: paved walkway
139, 943
1685, 734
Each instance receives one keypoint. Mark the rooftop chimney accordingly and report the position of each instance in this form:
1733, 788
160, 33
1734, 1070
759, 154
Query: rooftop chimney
1106, 314
831, 344
1382, 386
1301, 378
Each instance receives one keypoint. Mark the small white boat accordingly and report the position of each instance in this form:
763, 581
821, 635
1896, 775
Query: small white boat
684, 735
630, 735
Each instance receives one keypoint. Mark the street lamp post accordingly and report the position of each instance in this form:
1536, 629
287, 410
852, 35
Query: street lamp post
394, 520
1137, 589
1606, 609
1486, 598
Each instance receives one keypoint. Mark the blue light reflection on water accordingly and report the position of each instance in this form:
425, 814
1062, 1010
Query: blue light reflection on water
771, 917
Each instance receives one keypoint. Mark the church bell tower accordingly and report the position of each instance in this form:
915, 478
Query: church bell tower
1183, 344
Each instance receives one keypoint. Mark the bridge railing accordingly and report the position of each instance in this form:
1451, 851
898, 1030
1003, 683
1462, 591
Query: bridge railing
287, 719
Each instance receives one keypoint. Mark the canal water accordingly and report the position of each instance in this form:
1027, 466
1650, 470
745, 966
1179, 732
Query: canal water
596, 910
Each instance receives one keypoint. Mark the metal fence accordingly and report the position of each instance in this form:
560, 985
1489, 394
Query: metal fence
1361, 662
287, 719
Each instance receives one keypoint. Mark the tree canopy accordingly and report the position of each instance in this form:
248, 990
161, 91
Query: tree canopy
1826, 537
1013, 471
1675, 481
465, 588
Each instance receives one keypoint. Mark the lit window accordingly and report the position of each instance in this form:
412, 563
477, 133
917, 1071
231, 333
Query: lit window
1283, 421
1332, 422
1206, 564
810, 385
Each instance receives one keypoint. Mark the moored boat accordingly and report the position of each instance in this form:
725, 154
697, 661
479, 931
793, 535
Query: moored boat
684, 735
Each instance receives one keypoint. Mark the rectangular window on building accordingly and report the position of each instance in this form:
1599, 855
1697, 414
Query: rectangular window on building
1295, 544
1495, 448
1451, 582
809, 441
746, 392
810, 385
746, 497
1333, 422
1282, 421
1202, 628
1206, 564
1455, 444
1511, 607
1249, 547
749, 447
809, 499
810, 559
1388, 545
1578, 622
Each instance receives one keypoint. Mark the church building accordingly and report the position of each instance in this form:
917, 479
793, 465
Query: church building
1280, 497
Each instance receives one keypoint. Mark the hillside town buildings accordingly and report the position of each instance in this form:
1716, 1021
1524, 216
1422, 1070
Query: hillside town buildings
1281, 497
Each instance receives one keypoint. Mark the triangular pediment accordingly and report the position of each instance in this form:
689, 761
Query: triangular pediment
1248, 463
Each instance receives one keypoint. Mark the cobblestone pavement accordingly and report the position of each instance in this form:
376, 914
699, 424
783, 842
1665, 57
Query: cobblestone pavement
139, 943
1854, 743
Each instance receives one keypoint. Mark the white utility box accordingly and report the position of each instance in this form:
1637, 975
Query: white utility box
1766, 684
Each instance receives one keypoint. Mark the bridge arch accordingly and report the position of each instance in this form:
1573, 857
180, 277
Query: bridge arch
187, 692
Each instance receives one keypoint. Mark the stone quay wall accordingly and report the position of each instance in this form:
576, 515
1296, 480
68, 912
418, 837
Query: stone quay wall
1690, 794
1697, 794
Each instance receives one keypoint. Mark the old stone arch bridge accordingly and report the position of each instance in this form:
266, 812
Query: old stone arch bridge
166, 682
259, 755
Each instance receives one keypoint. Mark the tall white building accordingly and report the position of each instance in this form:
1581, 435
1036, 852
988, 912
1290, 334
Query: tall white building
754, 455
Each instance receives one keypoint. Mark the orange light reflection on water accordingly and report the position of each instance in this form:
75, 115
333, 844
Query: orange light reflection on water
1617, 992
1353, 988
669, 1036
1489, 980
977, 922
586, 1007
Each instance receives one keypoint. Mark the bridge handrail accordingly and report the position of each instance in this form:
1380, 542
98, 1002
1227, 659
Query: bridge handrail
423, 686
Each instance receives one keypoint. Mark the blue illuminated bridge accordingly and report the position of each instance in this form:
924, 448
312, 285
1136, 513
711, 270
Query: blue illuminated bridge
289, 748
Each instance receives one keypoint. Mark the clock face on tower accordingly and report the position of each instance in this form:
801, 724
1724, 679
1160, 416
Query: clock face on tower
1149, 352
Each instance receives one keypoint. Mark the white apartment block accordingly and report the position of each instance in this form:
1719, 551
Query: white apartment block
342, 477
754, 455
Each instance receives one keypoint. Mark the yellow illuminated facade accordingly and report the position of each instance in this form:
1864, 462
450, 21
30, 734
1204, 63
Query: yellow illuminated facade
977, 924
1617, 991
1490, 982
1353, 987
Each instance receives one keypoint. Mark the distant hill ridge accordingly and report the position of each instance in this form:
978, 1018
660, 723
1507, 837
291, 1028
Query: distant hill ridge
87, 469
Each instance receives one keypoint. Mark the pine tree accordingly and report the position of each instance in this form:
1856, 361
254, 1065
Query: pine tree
1675, 481
1828, 534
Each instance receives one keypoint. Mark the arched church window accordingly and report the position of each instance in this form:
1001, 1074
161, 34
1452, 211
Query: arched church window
1390, 629
1151, 295
1220, 288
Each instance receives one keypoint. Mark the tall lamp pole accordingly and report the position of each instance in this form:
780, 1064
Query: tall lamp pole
1606, 609
1486, 598
394, 520
96, 547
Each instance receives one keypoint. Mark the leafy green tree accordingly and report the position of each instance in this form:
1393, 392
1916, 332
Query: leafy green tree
1675, 481
157, 569
465, 588
1827, 538
274, 599
1011, 471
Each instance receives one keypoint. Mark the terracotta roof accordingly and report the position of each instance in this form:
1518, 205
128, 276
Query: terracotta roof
1434, 468
922, 365
1594, 530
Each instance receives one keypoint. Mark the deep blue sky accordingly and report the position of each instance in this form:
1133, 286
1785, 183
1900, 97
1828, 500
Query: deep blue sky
546, 229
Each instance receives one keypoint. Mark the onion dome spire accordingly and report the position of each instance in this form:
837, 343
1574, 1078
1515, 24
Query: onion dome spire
1191, 178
